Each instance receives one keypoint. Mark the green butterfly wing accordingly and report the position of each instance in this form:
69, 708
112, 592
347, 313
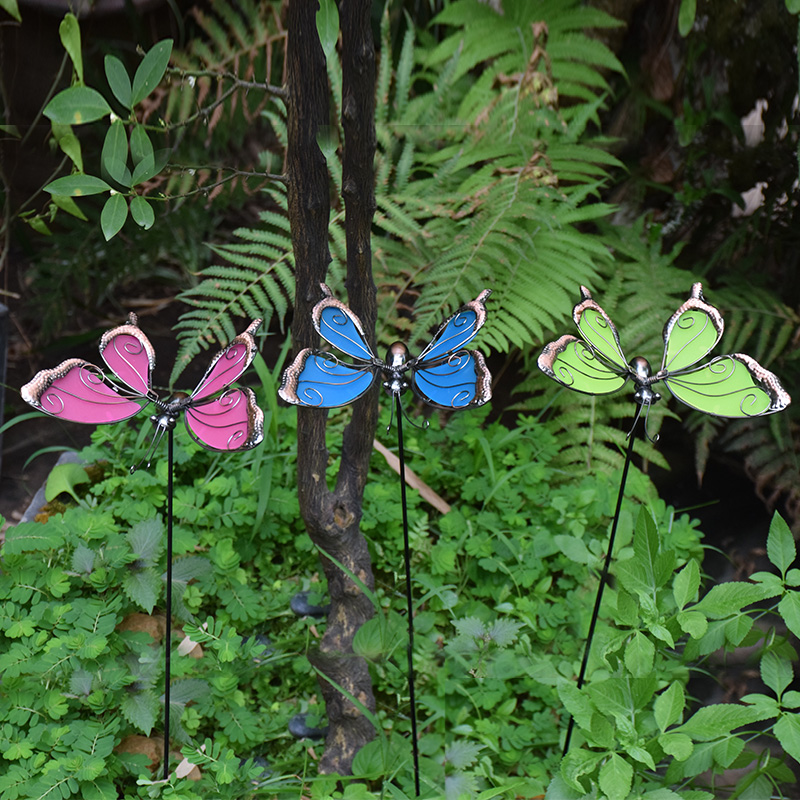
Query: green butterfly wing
571, 362
598, 330
730, 386
691, 333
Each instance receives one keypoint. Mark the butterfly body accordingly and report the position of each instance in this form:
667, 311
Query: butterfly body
444, 374
217, 416
733, 385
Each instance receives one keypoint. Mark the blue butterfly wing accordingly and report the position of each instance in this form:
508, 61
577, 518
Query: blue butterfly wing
320, 380
337, 324
460, 381
455, 332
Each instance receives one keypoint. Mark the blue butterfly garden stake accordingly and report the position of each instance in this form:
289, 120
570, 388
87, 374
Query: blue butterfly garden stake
444, 375
217, 416
733, 385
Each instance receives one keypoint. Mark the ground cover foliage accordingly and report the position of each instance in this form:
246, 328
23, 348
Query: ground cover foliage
504, 594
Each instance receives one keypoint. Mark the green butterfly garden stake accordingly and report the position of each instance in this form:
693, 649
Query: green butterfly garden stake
734, 385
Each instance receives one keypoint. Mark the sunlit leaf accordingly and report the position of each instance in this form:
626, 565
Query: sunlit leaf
77, 106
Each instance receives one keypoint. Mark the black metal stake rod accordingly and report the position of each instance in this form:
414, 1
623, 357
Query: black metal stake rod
409, 596
603, 578
168, 633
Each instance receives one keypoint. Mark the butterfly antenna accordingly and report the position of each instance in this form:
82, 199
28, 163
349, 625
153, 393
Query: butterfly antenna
391, 416
652, 439
425, 423
157, 437
636, 419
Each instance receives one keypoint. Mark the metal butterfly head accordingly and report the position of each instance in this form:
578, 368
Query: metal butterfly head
444, 374
734, 385
217, 417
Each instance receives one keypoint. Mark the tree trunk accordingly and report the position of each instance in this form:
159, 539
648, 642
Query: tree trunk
332, 518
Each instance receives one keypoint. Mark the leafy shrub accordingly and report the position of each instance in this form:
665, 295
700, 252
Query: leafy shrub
503, 601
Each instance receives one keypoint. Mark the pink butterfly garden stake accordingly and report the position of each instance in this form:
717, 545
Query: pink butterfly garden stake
217, 416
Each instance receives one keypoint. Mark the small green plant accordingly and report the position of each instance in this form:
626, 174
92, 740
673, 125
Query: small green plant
640, 736
128, 158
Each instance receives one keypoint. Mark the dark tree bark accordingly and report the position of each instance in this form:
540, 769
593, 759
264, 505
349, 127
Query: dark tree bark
332, 518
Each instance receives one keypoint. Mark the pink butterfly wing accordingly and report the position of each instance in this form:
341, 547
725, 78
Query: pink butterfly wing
130, 356
232, 421
228, 364
78, 391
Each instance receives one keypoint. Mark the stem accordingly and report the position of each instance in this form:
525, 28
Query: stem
603, 577
409, 594
168, 633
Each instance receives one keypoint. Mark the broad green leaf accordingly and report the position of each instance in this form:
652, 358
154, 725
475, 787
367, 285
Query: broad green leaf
115, 153
616, 777
668, 707
328, 26
645, 542
462, 754
627, 609
143, 586
711, 722
789, 609
143, 171
601, 732
776, 672
470, 626
38, 224
118, 80
113, 215
146, 539
613, 697
142, 212
737, 628
791, 699
77, 106
693, 622
31, 537
577, 703
686, 584
677, 745
64, 478
781, 548
71, 147
793, 6
66, 203
639, 655
686, 15
787, 729
634, 579
141, 709
726, 751
141, 146
70, 32
641, 755
573, 548
12, 8
83, 559
727, 599
77, 186
578, 762
768, 706
150, 72
662, 632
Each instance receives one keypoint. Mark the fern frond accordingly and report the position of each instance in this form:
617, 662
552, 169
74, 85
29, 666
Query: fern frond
256, 281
